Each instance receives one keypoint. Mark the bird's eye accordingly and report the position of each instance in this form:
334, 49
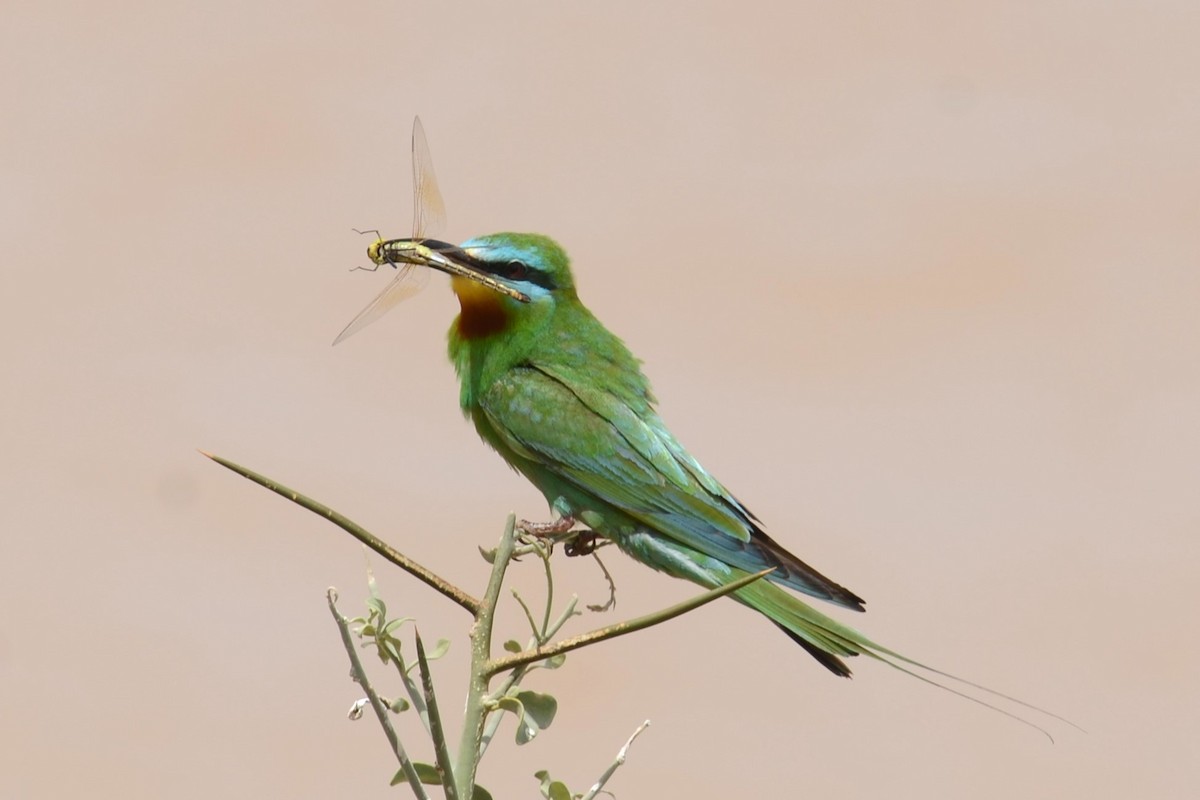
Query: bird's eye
516, 270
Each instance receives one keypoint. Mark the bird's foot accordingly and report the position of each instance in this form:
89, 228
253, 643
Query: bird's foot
583, 543
545, 530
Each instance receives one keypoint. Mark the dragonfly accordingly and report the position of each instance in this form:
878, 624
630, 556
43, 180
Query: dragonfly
405, 255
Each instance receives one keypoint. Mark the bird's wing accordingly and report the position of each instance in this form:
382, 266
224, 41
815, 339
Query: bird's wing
598, 443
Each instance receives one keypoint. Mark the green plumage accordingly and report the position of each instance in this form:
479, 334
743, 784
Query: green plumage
564, 402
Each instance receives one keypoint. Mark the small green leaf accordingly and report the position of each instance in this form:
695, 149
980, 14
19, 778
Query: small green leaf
513, 646
527, 730
527, 727
551, 789
377, 606
388, 651
543, 777
540, 707
539, 711
426, 773
554, 662
510, 704
396, 623
488, 555
400, 705
438, 650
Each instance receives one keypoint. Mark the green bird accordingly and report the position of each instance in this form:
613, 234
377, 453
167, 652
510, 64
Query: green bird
566, 404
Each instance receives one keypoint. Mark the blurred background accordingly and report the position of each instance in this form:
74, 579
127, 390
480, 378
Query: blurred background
917, 282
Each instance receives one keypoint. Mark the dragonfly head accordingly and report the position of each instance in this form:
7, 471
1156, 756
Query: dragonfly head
373, 251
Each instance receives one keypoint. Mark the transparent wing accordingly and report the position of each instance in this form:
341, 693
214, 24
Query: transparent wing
429, 211
429, 217
407, 282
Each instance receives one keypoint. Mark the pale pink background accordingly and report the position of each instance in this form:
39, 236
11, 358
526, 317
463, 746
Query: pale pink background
918, 281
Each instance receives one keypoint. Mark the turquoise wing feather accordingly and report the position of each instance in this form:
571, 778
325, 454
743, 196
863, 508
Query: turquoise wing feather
578, 436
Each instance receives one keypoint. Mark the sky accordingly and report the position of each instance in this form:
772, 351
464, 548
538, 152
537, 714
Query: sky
919, 284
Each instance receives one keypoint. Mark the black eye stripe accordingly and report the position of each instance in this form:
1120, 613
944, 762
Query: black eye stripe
512, 269
517, 270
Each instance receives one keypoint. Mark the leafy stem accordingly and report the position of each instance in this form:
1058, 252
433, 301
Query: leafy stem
621, 628
534, 711
381, 710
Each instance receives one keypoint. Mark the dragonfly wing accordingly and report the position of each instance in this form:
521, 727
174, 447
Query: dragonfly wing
399, 289
429, 217
429, 211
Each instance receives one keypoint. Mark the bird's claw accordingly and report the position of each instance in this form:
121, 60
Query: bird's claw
583, 543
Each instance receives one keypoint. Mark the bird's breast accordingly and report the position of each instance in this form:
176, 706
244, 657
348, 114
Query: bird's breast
482, 310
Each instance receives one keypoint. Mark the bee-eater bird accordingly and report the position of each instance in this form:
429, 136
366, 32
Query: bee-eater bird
565, 403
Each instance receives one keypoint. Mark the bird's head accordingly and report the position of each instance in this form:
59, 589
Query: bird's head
507, 278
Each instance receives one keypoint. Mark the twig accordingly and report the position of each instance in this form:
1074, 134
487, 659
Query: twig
381, 709
414, 694
358, 532
493, 723
544, 636
410, 686
621, 628
518, 674
528, 615
617, 762
567, 613
436, 731
481, 653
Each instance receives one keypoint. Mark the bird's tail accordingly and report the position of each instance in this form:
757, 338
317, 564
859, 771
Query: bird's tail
825, 639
